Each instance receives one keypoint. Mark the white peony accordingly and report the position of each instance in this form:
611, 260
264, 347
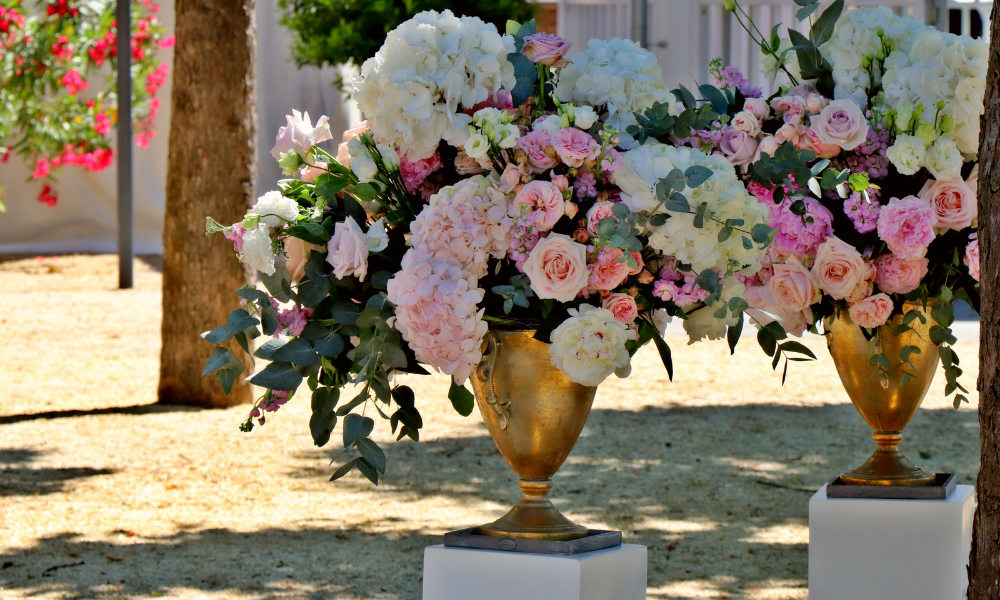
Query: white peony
275, 210
429, 67
590, 345
944, 161
725, 195
258, 250
907, 154
618, 75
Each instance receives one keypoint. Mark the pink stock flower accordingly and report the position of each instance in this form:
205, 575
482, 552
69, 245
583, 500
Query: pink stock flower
606, 273
543, 201
277, 400
895, 275
348, 250
796, 236
622, 306
537, 146
74, 82
907, 226
737, 146
575, 146
415, 173
294, 319
842, 123
871, 312
557, 268
683, 292
598, 212
863, 211
838, 268
546, 49
972, 256
611, 162
953, 201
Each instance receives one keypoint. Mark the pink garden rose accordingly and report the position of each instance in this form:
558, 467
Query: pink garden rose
871, 312
415, 173
864, 289
954, 203
300, 135
895, 275
598, 212
557, 268
838, 268
972, 256
546, 49
622, 306
793, 287
737, 146
348, 250
343, 156
466, 165
543, 200
792, 132
842, 123
561, 181
575, 146
768, 145
813, 143
758, 107
297, 254
537, 146
907, 226
747, 122
606, 273
815, 103
510, 179
791, 108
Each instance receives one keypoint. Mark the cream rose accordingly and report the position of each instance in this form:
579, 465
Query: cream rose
841, 122
838, 268
908, 154
944, 161
953, 201
747, 122
557, 268
793, 287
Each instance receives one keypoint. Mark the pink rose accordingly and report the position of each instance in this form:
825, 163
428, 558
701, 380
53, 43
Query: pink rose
606, 273
300, 135
537, 146
343, 156
895, 275
973, 180
510, 179
758, 107
737, 146
791, 108
793, 287
871, 312
574, 146
907, 226
746, 122
557, 268
546, 49
543, 200
791, 132
598, 212
646, 277
972, 256
813, 143
815, 103
768, 145
622, 306
954, 203
842, 123
862, 291
838, 268
638, 261
561, 181
348, 250
571, 208
415, 173
466, 165
297, 255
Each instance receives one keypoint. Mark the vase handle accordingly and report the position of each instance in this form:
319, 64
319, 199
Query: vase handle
486, 368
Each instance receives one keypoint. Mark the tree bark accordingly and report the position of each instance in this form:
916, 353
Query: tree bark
211, 172
984, 563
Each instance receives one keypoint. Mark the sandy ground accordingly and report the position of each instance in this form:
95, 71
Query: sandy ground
104, 494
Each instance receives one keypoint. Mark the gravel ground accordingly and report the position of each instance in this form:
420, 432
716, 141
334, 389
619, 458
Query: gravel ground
104, 494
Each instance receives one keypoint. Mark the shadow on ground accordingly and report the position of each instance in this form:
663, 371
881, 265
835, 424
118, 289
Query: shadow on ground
138, 409
719, 495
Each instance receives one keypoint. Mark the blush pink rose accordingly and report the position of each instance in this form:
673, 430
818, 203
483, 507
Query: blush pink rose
343, 157
544, 200
838, 268
895, 275
737, 146
813, 143
815, 103
791, 108
557, 268
871, 312
758, 108
537, 146
793, 287
561, 181
864, 289
953, 201
510, 179
907, 226
972, 256
598, 212
546, 49
297, 255
638, 262
792, 132
842, 123
348, 250
606, 273
574, 146
768, 145
622, 306
466, 165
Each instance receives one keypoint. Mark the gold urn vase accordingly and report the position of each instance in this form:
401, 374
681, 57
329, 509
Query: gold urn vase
535, 415
887, 409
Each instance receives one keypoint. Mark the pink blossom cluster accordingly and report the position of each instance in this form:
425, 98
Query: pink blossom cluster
415, 173
863, 210
731, 78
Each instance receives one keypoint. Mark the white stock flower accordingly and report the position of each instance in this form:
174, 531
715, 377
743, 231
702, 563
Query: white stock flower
376, 236
427, 69
944, 161
275, 210
258, 250
907, 154
590, 345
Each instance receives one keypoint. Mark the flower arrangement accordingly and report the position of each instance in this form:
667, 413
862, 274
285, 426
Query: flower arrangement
865, 167
52, 53
476, 197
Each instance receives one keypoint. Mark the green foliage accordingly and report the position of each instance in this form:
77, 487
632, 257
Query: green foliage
461, 398
335, 32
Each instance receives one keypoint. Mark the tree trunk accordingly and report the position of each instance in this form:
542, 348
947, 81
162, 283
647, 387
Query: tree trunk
984, 563
211, 172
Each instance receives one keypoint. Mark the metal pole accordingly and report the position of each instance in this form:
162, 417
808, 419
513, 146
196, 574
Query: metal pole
125, 248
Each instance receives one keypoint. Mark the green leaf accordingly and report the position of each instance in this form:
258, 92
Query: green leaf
268, 348
329, 186
699, 217
708, 280
684, 96
329, 345
793, 346
357, 400
718, 101
273, 283
461, 398
907, 351
880, 360
269, 319
227, 374
254, 295
345, 313
760, 233
315, 269
238, 320
372, 454
367, 470
747, 244
357, 428
733, 334
314, 233
323, 419
380, 279
219, 359
311, 293
664, 350
344, 469
677, 202
807, 10
621, 211
297, 350
822, 29
942, 335
278, 376
725, 233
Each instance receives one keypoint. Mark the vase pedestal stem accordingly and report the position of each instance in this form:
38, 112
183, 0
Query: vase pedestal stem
888, 466
535, 516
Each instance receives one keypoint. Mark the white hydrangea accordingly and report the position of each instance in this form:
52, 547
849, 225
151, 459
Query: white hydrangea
726, 196
258, 249
590, 345
413, 87
275, 210
619, 75
701, 323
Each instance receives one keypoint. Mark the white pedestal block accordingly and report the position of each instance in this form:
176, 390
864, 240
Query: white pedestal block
866, 549
463, 574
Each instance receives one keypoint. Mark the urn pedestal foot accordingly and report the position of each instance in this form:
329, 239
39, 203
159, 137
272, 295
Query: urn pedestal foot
888, 466
535, 517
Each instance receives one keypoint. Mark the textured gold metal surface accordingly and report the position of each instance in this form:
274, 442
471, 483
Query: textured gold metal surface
887, 410
535, 415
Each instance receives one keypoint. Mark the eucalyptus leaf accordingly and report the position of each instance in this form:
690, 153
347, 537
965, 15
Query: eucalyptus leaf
461, 398
357, 428
219, 359
278, 376
297, 351
372, 454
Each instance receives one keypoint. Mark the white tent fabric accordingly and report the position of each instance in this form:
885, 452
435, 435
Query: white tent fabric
85, 218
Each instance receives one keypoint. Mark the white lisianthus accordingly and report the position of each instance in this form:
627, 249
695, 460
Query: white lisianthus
944, 161
619, 75
275, 210
390, 160
376, 236
584, 117
258, 249
907, 154
364, 167
507, 135
477, 146
590, 345
549, 124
